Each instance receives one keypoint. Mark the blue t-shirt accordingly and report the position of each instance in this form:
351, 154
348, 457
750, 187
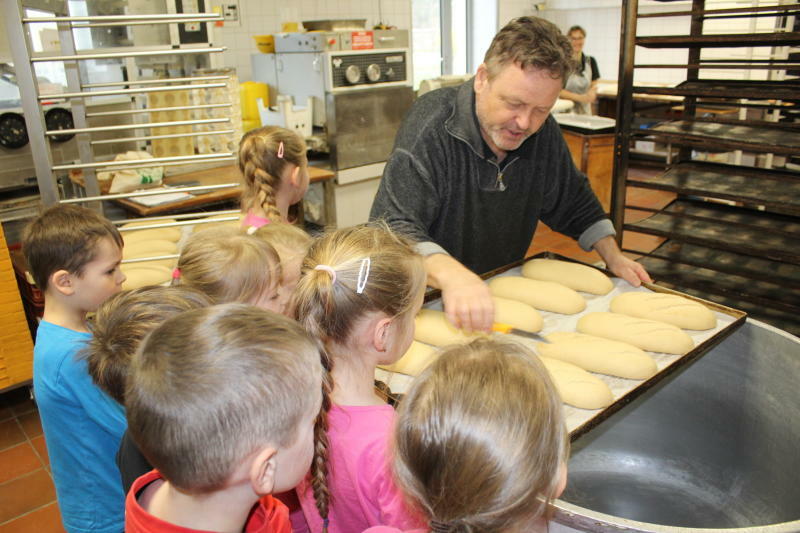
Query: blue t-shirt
82, 428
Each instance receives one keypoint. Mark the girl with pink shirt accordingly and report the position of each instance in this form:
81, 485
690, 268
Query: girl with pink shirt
481, 443
360, 290
274, 170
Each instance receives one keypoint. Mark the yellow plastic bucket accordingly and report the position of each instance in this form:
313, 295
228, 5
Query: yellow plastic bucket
265, 43
249, 92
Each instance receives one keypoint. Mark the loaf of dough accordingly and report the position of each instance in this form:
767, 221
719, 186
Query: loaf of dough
645, 334
573, 275
597, 354
140, 276
669, 308
432, 327
415, 360
149, 249
167, 234
517, 314
545, 295
576, 386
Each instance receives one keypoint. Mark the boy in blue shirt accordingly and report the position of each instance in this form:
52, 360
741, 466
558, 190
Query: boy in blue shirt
74, 256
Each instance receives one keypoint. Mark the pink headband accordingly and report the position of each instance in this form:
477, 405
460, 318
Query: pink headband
329, 270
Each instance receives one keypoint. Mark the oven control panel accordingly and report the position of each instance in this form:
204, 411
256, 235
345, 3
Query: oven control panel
357, 69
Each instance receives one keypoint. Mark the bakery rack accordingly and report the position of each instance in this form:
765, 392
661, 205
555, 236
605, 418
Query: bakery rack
732, 233
174, 123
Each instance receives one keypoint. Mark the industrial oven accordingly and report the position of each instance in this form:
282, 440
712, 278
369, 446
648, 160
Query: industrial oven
359, 83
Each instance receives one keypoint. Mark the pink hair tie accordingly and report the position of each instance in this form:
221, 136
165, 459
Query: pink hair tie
280, 150
329, 270
176, 273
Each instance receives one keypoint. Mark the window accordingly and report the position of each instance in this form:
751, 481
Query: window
450, 36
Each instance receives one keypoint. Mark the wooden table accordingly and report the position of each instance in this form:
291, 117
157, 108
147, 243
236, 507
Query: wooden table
217, 176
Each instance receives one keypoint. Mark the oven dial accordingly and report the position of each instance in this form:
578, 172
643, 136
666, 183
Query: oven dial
353, 74
373, 72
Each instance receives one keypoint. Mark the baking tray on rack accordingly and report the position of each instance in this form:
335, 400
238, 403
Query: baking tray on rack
580, 421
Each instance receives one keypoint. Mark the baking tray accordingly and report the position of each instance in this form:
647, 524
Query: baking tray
579, 421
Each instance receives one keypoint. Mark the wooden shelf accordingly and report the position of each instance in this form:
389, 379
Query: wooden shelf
777, 191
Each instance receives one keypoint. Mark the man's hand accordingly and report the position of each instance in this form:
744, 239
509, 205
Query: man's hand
621, 266
467, 301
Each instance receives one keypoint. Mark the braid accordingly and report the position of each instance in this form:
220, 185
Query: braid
319, 465
266, 192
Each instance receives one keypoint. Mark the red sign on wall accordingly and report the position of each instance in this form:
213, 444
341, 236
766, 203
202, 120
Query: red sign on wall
362, 40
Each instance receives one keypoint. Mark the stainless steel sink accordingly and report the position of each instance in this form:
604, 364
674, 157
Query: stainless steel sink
716, 446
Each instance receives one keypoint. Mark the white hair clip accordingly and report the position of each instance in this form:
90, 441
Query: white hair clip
251, 230
363, 274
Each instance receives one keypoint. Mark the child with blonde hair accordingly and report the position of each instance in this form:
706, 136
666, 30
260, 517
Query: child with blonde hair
274, 170
229, 265
480, 441
360, 290
118, 328
292, 244
222, 401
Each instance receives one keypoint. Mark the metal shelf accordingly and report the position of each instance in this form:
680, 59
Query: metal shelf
735, 229
777, 191
779, 90
724, 262
726, 40
721, 137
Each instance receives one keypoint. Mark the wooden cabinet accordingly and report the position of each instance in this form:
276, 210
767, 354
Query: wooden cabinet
593, 154
733, 232
16, 345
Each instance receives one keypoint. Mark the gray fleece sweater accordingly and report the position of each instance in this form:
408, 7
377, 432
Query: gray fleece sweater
443, 187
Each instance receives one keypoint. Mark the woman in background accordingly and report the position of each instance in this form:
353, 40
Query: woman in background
581, 86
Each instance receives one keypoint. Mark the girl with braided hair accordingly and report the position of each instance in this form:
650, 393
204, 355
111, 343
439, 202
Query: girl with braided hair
274, 170
359, 292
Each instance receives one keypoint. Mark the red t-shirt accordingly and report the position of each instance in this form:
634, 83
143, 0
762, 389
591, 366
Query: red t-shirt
268, 515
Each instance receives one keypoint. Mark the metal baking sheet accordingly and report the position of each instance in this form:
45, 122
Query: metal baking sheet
579, 421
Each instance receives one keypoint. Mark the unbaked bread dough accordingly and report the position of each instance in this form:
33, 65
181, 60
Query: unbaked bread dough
646, 334
596, 354
576, 386
669, 308
167, 234
517, 314
545, 295
573, 275
149, 249
415, 360
432, 327
140, 276
140, 223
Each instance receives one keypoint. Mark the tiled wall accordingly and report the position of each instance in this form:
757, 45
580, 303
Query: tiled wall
263, 17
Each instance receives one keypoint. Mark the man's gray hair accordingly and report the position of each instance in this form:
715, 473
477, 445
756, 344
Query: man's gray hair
530, 42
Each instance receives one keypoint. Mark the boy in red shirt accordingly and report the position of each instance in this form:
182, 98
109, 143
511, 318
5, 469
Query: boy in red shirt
222, 401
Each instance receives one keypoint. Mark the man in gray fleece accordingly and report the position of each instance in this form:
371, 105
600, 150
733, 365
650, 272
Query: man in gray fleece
475, 167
